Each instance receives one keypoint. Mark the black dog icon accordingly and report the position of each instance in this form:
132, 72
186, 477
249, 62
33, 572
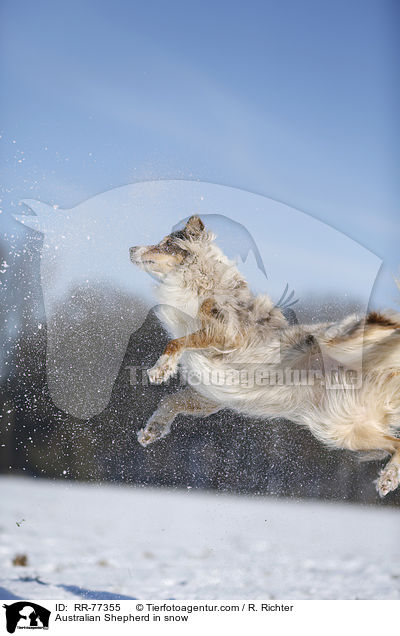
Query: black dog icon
23, 611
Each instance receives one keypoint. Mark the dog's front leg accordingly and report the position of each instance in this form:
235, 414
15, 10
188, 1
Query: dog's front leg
167, 364
187, 402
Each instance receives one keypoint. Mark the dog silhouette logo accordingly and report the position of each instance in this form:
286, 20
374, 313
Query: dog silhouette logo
26, 615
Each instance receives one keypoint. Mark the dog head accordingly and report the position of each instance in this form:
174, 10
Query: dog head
173, 251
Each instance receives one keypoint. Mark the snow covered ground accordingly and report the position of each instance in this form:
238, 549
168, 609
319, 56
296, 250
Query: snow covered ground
109, 542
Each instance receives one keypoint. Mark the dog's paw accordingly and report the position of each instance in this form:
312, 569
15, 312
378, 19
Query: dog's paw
388, 479
152, 432
145, 437
162, 370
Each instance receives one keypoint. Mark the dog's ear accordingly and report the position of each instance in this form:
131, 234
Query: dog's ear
194, 227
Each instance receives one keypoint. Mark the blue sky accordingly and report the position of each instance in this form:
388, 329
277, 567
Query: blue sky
296, 100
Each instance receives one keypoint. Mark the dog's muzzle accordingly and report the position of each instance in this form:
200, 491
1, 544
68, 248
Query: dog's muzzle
134, 255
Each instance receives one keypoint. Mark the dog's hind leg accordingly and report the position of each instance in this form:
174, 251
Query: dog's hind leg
186, 402
389, 478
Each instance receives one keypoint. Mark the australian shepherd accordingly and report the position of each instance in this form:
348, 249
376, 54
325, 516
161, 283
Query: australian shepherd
238, 351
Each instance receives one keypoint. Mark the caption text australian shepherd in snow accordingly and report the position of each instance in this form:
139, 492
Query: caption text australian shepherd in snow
221, 330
